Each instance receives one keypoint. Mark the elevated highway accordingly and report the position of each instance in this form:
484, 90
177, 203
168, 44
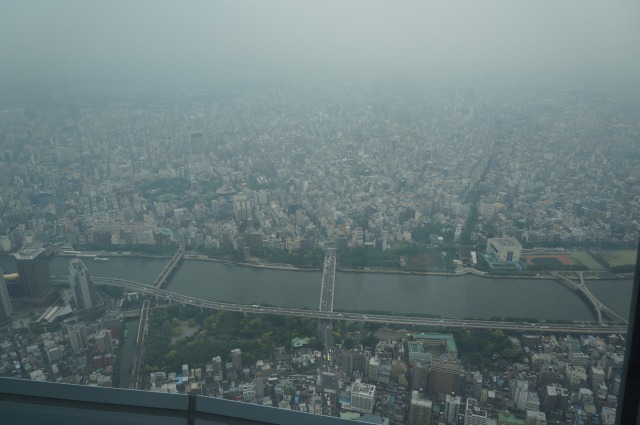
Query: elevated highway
327, 297
384, 319
138, 353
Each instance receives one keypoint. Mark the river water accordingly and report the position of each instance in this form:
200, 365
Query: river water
465, 296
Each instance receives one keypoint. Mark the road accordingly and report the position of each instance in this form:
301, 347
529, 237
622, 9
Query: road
138, 354
326, 298
162, 279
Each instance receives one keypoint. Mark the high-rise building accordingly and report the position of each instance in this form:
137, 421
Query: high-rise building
419, 377
84, 291
444, 376
197, 143
363, 397
103, 342
420, 410
242, 207
360, 361
555, 398
198, 135
55, 353
198, 122
372, 370
35, 276
248, 391
473, 415
519, 389
347, 364
6, 309
217, 365
452, 408
236, 359
78, 337
597, 376
352, 361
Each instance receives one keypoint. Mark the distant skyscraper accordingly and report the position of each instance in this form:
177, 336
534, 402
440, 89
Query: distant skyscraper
198, 123
35, 275
198, 135
6, 309
78, 337
197, 143
84, 291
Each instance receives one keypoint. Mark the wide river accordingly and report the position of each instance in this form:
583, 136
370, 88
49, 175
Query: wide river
460, 296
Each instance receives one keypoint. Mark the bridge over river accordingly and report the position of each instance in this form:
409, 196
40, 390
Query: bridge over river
599, 308
377, 318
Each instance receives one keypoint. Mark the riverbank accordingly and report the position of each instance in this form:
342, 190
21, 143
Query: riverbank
463, 272
91, 255
462, 296
290, 267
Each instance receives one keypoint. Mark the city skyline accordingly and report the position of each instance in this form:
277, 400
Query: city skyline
408, 213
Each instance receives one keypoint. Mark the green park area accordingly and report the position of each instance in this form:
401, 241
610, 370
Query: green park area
164, 186
427, 261
619, 261
185, 334
587, 259
179, 335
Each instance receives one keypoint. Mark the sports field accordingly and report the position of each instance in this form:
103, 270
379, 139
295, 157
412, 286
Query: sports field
617, 258
585, 258
431, 261
549, 261
564, 260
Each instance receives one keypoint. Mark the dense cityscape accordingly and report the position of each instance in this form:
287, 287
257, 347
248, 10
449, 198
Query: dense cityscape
287, 168
537, 182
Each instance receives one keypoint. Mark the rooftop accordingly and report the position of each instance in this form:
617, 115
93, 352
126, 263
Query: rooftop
361, 388
28, 253
416, 347
422, 402
505, 242
447, 338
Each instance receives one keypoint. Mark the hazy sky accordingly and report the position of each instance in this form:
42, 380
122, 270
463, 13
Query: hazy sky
120, 39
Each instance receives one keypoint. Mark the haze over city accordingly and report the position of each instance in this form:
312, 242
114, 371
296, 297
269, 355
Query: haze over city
391, 212
213, 42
